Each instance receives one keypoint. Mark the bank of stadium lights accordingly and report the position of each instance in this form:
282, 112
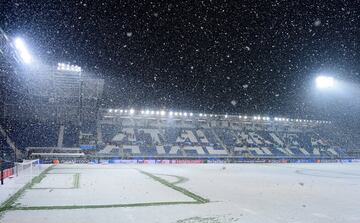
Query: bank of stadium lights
186, 114
22, 50
323, 82
68, 67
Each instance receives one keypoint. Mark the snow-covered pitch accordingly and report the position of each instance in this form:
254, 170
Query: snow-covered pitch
184, 193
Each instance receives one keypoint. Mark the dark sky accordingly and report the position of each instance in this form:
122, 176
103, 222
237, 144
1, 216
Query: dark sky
213, 56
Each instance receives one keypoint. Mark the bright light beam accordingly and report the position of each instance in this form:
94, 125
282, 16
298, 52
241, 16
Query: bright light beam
323, 82
22, 50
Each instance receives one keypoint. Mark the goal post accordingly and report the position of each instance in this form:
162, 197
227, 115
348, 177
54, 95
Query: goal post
27, 167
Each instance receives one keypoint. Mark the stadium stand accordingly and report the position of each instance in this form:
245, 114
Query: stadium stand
154, 136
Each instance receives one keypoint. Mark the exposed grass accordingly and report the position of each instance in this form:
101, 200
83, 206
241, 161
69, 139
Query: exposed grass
76, 183
76, 180
179, 178
184, 191
103, 206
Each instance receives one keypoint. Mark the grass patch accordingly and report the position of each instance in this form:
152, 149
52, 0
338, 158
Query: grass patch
103, 206
179, 178
75, 183
184, 191
76, 180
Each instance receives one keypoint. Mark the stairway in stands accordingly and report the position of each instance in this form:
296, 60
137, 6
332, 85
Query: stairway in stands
10, 142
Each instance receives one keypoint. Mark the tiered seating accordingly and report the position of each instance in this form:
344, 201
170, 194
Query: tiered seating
7, 153
34, 134
200, 142
71, 136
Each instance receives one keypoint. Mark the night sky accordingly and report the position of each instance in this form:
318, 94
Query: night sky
210, 56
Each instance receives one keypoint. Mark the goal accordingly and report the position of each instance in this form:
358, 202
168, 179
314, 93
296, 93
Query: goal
27, 167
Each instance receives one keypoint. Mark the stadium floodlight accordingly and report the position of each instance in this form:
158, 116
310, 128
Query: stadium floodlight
157, 112
152, 112
205, 115
142, 112
191, 114
239, 116
200, 114
125, 111
324, 82
171, 113
121, 111
110, 110
132, 111
226, 116
176, 113
245, 117
147, 112
185, 114
162, 113
22, 50
68, 67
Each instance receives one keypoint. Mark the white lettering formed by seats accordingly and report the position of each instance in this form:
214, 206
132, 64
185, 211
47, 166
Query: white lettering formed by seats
187, 134
160, 150
213, 151
243, 136
198, 149
125, 133
154, 133
202, 136
134, 149
276, 139
174, 150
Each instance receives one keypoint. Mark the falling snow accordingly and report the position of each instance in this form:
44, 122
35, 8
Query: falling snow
202, 52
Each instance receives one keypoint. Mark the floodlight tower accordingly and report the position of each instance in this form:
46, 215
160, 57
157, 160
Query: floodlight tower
324, 82
65, 67
22, 50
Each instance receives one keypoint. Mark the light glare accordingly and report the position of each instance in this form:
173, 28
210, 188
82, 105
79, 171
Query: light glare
324, 82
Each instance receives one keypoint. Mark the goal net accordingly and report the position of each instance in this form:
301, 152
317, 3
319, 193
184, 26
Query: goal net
27, 167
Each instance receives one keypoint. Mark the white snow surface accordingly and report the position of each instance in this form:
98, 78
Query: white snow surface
251, 193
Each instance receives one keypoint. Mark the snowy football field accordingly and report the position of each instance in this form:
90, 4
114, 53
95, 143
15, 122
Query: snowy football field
85, 193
